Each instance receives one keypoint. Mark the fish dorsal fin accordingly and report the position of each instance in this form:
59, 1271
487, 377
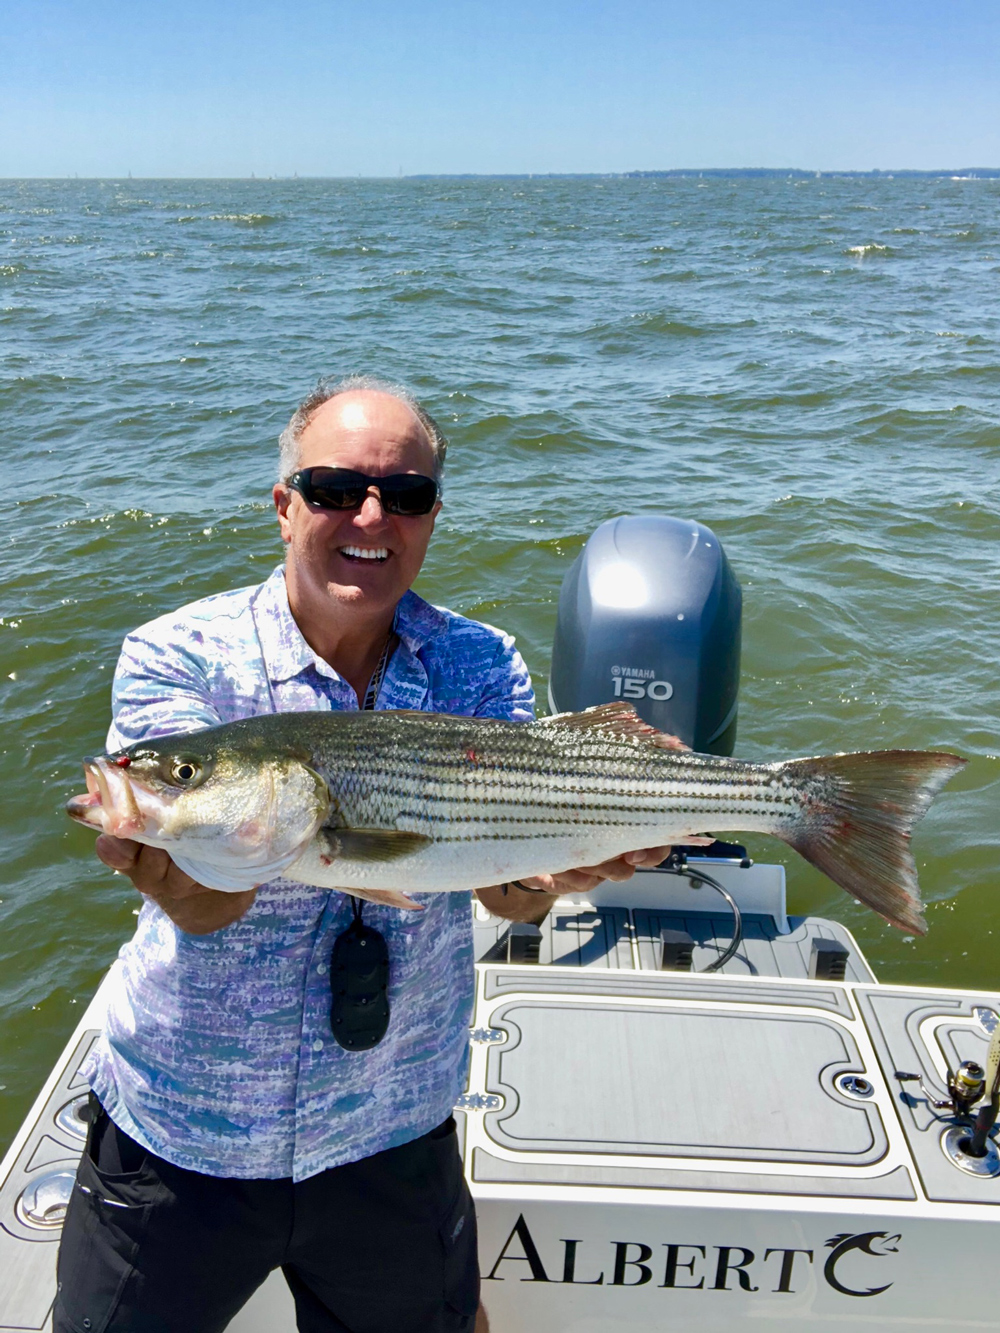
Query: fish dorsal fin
373, 844
618, 720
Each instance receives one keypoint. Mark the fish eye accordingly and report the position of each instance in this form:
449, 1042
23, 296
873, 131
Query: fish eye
186, 770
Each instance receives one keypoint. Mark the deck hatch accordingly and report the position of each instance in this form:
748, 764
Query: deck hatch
680, 1081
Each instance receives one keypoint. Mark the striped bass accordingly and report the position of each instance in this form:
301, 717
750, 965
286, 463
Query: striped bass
383, 804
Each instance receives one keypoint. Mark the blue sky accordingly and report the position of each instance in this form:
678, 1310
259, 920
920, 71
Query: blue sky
323, 87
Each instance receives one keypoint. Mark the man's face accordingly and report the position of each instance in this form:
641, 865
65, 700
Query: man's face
376, 434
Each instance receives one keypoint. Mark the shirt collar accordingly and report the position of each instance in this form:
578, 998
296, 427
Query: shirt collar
286, 652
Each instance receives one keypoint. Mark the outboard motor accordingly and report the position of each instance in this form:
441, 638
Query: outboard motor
650, 612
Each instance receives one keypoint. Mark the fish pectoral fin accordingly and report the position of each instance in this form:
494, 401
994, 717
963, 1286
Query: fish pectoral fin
373, 844
619, 720
388, 898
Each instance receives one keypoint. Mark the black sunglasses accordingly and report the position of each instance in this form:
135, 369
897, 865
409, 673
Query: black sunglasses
405, 493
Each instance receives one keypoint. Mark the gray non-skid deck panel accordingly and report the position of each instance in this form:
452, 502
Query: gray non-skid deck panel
574, 937
682, 1082
763, 952
600, 938
489, 1169
893, 1018
589, 939
665, 986
27, 1254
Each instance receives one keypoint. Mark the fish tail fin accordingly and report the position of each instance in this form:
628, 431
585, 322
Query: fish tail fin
859, 811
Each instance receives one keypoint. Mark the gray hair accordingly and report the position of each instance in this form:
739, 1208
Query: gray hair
327, 388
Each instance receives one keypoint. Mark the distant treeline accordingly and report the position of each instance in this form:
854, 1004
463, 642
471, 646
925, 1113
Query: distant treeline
796, 173
695, 173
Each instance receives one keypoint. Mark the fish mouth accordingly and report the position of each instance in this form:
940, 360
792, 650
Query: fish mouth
109, 804
85, 809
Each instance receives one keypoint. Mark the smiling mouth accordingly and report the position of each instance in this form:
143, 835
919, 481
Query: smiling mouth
365, 554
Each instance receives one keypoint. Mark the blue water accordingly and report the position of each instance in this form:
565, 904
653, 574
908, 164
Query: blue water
811, 367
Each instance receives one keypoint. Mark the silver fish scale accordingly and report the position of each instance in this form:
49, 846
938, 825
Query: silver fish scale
456, 780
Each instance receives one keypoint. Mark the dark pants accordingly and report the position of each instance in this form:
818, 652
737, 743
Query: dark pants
384, 1245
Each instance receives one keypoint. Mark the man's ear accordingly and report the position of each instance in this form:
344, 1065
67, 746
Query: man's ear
282, 496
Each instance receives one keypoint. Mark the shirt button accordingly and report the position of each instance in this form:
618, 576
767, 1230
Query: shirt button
318, 1044
321, 969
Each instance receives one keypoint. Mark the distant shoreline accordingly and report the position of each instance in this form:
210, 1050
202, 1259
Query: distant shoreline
955, 173
668, 173
724, 173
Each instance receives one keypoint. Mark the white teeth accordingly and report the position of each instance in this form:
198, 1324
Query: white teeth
366, 552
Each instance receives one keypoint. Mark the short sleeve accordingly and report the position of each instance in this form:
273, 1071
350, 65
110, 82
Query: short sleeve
507, 691
159, 689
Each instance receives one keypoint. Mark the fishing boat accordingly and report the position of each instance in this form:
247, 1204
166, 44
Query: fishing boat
684, 1107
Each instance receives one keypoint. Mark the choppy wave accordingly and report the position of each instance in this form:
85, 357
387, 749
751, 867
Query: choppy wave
871, 248
246, 219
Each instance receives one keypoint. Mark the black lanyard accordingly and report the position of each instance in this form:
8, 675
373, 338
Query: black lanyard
359, 963
375, 684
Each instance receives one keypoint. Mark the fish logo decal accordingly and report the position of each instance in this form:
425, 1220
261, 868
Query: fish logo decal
875, 1243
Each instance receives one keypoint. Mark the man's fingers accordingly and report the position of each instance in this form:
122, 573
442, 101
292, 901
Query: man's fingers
152, 870
190, 905
149, 868
618, 870
567, 881
117, 853
647, 856
176, 884
571, 881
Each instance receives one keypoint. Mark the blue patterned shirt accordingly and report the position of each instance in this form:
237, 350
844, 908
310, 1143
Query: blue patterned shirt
216, 1052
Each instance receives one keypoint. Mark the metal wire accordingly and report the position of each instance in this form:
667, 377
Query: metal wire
699, 876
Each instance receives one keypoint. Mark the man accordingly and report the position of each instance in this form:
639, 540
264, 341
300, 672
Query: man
231, 1133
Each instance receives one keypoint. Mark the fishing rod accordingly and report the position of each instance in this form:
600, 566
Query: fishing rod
971, 1083
986, 1116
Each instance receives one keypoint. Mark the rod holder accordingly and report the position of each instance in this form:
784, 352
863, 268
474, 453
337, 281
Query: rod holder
828, 960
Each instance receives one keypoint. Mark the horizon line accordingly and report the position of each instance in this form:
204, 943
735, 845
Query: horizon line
947, 173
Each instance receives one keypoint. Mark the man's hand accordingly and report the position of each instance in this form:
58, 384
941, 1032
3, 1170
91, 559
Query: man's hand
585, 878
517, 905
190, 906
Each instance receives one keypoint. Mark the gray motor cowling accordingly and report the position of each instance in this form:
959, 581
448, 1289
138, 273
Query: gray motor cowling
650, 612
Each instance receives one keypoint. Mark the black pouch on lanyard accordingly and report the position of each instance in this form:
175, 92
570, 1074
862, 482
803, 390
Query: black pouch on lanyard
359, 985
359, 963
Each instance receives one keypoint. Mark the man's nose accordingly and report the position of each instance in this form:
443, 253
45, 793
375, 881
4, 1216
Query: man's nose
371, 511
